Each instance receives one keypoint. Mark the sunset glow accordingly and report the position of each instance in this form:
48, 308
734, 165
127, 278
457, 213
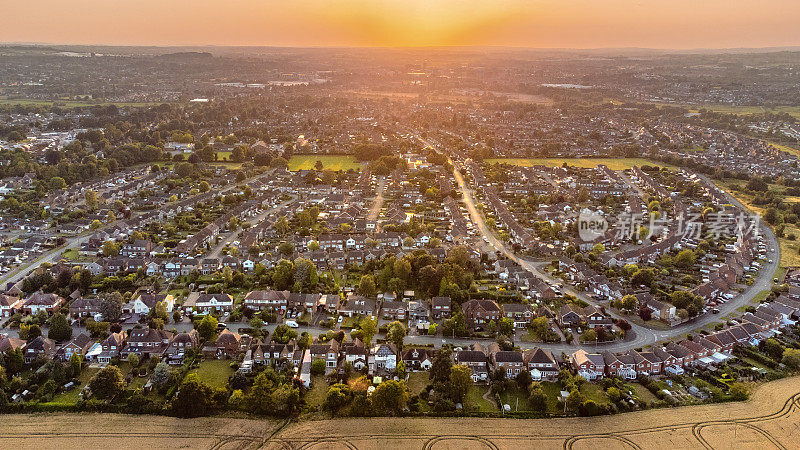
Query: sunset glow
535, 23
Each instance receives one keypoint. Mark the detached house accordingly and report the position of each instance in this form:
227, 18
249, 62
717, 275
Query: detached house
111, 347
327, 351
441, 307
476, 360
9, 305
202, 303
588, 365
146, 342
39, 301
479, 312
418, 359
179, 345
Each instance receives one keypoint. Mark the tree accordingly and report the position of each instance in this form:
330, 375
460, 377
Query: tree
184, 169
110, 248
14, 361
338, 395
283, 334
368, 327
589, 336
575, 400
628, 303
318, 367
111, 306
193, 398
107, 383
396, 334
162, 374
95, 225
28, 332
366, 286
441, 367
739, 391
60, 328
460, 382
279, 163
133, 360
505, 327
685, 259
204, 187
774, 349
282, 225
91, 199
207, 327
389, 397
537, 398
57, 183
791, 358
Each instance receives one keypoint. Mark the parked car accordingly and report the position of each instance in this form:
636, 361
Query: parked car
292, 324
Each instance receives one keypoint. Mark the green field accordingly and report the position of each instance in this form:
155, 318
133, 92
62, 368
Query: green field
786, 148
215, 372
475, 401
329, 162
612, 163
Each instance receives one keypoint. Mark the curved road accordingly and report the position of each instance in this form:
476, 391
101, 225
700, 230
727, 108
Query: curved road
642, 336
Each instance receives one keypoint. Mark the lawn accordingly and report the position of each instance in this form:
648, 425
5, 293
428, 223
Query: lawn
417, 381
72, 396
785, 148
516, 398
329, 162
215, 372
223, 156
71, 254
319, 389
612, 163
475, 400
594, 392
642, 393
553, 391
741, 110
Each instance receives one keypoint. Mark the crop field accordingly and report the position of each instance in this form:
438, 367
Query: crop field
612, 163
329, 162
768, 420
68, 103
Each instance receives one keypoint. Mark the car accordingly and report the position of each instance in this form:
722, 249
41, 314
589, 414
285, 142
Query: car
341, 318
774, 280
222, 325
292, 324
486, 239
715, 311
769, 261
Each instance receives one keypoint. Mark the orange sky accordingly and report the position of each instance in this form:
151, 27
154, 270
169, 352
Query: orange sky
525, 23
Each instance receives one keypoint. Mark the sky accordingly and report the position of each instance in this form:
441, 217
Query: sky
673, 24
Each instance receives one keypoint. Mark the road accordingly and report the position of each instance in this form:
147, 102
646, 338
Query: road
377, 203
639, 336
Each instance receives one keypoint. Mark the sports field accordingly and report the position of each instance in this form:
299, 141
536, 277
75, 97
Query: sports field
329, 162
768, 420
612, 163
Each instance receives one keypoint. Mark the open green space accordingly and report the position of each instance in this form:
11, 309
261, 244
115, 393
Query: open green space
329, 162
475, 400
612, 163
417, 381
319, 389
73, 395
215, 372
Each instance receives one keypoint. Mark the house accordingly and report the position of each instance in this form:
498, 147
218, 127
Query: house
590, 366
519, 313
77, 346
418, 359
510, 362
137, 249
326, 351
441, 307
275, 353
84, 307
393, 310
358, 305
622, 366
228, 345
111, 347
595, 318
39, 301
541, 364
356, 354
418, 311
479, 312
39, 347
10, 343
383, 358
145, 301
569, 316
146, 342
179, 345
261, 300
201, 303
476, 360
9, 305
